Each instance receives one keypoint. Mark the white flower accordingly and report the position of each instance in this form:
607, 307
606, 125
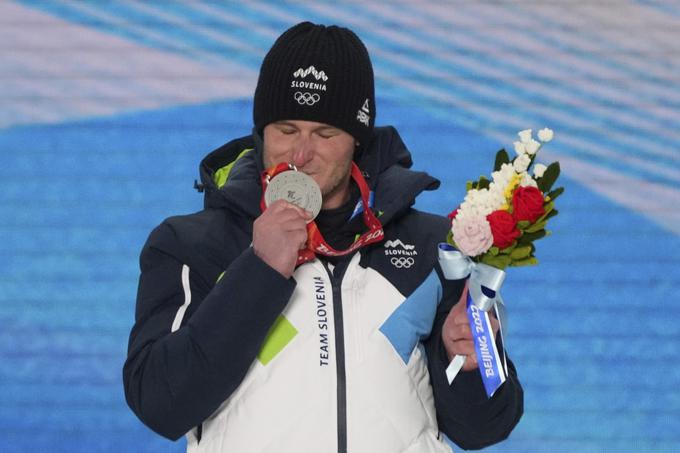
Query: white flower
527, 181
521, 163
539, 169
472, 234
519, 148
525, 135
493, 190
497, 201
531, 147
478, 202
496, 192
545, 134
502, 176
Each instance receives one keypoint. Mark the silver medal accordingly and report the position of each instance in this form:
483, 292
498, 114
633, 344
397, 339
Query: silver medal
294, 187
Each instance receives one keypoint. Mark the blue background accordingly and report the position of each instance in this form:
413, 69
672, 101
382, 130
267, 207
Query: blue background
107, 108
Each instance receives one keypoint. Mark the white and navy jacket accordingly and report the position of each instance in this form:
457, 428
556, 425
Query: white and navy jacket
343, 357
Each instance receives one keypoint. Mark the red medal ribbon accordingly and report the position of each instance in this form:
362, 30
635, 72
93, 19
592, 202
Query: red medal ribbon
315, 241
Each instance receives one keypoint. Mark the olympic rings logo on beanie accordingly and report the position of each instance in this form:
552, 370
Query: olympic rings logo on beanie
317, 73
306, 98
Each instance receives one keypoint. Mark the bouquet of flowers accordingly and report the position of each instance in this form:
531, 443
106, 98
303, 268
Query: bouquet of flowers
500, 219
495, 227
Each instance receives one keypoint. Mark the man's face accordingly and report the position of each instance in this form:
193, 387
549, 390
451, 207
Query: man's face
323, 152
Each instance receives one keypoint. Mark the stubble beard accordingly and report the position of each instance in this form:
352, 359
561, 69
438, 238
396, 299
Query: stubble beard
339, 186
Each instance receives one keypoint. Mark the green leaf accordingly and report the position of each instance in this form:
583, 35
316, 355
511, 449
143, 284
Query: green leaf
551, 214
522, 224
536, 226
499, 262
528, 238
548, 207
483, 183
508, 249
521, 252
531, 261
549, 177
547, 210
555, 193
468, 186
487, 258
523, 239
501, 158
493, 251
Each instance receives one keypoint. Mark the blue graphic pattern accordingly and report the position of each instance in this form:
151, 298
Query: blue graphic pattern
412, 321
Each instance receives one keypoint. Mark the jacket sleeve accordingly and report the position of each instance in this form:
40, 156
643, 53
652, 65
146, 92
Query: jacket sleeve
464, 413
175, 378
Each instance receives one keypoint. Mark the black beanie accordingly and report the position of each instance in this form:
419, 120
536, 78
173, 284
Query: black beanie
317, 73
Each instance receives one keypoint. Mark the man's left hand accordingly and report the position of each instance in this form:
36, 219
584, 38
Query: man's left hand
457, 336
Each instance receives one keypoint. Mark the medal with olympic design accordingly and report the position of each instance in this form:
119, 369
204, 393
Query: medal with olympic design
295, 187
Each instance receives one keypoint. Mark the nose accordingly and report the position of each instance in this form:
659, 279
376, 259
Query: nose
302, 150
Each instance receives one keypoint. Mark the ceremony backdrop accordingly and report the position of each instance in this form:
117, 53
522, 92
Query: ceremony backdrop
107, 107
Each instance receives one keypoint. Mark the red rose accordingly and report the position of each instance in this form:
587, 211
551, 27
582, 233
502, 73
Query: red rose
452, 215
527, 203
503, 228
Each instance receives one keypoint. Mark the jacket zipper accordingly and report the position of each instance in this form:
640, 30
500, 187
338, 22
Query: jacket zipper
336, 283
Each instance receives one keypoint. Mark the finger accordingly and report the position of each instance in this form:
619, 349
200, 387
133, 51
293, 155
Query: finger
295, 213
283, 216
470, 362
301, 212
293, 225
282, 205
300, 239
461, 347
458, 332
461, 319
279, 205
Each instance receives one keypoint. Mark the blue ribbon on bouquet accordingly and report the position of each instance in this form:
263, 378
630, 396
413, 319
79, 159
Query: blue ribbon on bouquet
483, 295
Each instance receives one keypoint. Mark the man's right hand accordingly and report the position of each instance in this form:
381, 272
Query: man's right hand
279, 233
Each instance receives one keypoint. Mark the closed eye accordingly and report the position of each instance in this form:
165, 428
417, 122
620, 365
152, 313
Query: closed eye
327, 133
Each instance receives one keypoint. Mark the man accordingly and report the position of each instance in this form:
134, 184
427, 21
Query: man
264, 330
